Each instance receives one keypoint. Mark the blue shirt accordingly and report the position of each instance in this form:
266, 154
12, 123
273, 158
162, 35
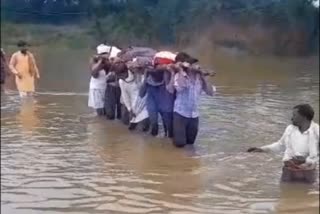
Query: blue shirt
159, 99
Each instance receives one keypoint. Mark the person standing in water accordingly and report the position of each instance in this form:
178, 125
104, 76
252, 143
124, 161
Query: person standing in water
99, 67
160, 99
300, 143
24, 67
130, 81
188, 83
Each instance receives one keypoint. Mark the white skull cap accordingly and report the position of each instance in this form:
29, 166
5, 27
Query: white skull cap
103, 49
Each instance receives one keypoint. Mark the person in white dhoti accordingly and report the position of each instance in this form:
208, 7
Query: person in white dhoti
130, 82
99, 67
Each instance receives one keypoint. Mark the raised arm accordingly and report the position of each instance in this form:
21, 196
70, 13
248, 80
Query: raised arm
208, 88
181, 81
169, 80
95, 67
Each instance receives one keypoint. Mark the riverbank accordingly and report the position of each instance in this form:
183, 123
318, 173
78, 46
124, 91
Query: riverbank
71, 36
234, 39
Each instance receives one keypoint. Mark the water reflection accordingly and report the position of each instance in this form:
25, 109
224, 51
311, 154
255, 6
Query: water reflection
27, 115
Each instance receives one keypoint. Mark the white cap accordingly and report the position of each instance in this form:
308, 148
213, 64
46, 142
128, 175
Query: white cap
114, 52
103, 49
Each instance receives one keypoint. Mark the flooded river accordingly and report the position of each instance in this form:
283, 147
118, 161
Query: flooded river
56, 157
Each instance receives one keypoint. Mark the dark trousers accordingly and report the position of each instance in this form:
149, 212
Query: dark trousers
167, 121
185, 130
145, 125
112, 102
125, 115
101, 111
305, 176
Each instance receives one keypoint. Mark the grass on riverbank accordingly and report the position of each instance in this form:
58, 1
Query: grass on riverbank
46, 35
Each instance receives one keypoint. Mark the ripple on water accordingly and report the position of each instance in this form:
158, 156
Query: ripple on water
58, 158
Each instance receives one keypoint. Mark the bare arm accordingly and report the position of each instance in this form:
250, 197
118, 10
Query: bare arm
206, 86
95, 67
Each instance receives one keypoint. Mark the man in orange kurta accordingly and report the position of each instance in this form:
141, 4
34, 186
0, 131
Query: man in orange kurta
24, 67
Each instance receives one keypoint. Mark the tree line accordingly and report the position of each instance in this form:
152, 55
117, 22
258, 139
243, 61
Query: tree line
164, 20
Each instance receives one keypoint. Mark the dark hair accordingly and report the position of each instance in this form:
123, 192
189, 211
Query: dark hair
119, 67
184, 57
22, 43
305, 110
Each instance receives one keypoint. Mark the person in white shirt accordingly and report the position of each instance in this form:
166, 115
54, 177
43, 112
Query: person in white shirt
99, 66
300, 143
130, 82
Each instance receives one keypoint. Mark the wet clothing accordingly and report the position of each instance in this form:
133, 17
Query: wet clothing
188, 94
186, 113
144, 125
112, 103
185, 130
97, 90
306, 176
167, 121
124, 115
160, 101
26, 66
130, 88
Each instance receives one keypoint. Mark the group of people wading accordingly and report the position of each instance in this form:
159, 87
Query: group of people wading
137, 85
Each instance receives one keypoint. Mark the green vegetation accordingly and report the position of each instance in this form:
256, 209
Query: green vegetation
70, 36
284, 27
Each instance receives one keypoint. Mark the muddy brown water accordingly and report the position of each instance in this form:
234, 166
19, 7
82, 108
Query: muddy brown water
56, 157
